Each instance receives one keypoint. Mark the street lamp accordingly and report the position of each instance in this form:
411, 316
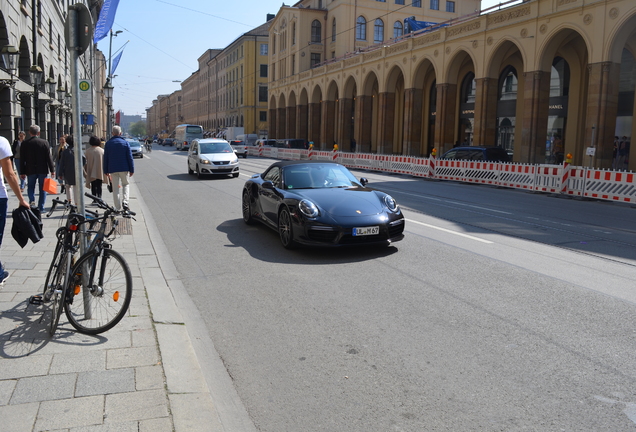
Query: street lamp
108, 87
50, 87
10, 56
108, 92
36, 73
61, 92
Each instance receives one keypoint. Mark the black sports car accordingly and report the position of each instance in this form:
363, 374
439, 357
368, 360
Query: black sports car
320, 204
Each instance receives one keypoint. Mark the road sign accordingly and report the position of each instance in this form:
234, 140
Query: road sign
85, 91
81, 36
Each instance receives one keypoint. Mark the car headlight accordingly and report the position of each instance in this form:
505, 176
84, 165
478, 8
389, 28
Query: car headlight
390, 203
234, 161
308, 208
204, 161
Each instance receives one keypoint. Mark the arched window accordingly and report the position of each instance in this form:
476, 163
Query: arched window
361, 28
378, 31
333, 30
398, 29
316, 32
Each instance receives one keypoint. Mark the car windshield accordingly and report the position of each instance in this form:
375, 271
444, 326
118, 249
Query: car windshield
134, 143
318, 176
215, 148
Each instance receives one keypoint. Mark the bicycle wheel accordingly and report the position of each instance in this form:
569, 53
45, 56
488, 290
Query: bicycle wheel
55, 263
56, 290
100, 292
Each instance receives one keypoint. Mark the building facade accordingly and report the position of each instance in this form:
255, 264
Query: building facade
527, 77
228, 89
34, 30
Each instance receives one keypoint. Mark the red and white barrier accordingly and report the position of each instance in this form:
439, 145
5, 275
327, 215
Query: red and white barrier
610, 185
565, 179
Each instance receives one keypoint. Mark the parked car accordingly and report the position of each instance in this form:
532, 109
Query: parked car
479, 153
266, 143
292, 143
212, 156
135, 148
318, 203
240, 148
168, 142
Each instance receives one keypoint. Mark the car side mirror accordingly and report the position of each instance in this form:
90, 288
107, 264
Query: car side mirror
364, 181
268, 185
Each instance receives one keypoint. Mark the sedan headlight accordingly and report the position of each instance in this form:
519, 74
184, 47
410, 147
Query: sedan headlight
204, 161
308, 208
390, 203
234, 161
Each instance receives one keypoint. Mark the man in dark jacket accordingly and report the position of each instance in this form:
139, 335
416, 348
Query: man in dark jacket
118, 166
36, 164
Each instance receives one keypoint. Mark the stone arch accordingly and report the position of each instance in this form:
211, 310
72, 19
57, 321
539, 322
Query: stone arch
563, 97
420, 127
621, 61
392, 101
502, 88
455, 120
315, 115
291, 115
281, 114
272, 123
302, 114
348, 114
367, 105
330, 116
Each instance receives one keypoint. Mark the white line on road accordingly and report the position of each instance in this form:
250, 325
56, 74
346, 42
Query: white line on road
450, 231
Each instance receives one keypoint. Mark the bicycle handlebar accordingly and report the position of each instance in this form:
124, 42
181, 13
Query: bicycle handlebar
57, 201
102, 204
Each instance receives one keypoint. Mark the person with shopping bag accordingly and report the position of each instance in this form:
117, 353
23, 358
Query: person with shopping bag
35, 165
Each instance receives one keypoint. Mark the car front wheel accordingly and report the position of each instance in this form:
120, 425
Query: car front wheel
285, 230
190, 170
247, 208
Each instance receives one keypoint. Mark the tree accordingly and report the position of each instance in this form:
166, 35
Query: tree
138, 128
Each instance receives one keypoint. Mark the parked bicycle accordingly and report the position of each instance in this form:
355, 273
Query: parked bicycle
96, 289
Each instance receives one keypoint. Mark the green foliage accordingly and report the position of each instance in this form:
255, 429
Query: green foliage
138, 128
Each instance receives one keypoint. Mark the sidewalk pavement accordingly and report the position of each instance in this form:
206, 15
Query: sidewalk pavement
142, 375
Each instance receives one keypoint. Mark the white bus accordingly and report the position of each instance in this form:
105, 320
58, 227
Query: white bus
185, 133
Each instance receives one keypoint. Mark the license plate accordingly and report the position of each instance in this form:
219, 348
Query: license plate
366, 231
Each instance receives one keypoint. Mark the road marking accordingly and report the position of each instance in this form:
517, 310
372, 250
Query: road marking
481, 208
450, 231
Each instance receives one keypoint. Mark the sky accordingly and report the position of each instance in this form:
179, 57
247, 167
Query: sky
164, 38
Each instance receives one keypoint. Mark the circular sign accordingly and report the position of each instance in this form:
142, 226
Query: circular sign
84, 85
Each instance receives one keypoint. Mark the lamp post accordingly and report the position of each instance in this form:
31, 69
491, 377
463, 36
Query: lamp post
108, 92
36, 73
108, 87
10, 56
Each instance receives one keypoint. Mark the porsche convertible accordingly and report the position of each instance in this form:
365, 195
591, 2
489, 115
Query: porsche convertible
315, 203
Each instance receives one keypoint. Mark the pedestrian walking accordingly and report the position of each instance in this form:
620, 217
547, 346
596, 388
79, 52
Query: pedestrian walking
16, 156
66, 170
6, 171
35, 165
95, 166
623, 153
58, 156
118, 166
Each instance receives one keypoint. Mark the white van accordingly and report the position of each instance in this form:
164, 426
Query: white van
248, 139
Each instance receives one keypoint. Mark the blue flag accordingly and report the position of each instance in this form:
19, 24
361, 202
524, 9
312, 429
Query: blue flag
106, 19
116, 61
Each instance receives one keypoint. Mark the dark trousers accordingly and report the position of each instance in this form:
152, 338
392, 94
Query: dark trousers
96, 188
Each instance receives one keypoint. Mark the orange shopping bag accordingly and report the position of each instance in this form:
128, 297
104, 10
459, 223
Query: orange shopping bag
50, 186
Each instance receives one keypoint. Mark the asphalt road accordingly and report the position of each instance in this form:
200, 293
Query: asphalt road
500, 310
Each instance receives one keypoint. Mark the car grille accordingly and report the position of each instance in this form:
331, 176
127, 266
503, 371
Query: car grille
396, 228
322, 235
221, 163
